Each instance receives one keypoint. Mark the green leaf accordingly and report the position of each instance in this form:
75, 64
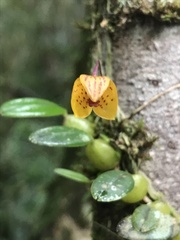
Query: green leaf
31, 107
167, 228
60, 136
111, 186
72, 175
145, 218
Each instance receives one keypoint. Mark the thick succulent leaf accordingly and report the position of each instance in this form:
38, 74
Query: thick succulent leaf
166, 229
30, 107
111, 186
60, 136
145, 218
79, 177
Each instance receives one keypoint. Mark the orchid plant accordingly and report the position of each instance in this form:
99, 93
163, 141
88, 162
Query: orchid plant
115, 146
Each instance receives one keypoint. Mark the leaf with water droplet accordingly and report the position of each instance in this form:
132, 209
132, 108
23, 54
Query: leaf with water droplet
111, 186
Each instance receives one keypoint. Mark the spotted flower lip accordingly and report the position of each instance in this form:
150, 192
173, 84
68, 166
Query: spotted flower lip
94, 93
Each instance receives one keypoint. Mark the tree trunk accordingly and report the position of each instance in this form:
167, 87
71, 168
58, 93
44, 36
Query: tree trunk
146, 61
142, 55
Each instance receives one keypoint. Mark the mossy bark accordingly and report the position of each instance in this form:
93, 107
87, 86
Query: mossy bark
138, 43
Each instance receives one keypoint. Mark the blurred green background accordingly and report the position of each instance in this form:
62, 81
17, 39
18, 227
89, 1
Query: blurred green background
41, 54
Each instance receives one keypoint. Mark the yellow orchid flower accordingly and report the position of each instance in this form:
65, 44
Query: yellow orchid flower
97, 93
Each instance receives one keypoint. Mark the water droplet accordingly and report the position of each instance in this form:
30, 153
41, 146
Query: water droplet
113, 188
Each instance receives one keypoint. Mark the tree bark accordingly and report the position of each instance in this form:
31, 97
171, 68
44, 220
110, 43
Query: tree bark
142, 55
146, 61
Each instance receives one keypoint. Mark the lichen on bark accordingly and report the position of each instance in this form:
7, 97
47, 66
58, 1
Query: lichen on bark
114, 14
